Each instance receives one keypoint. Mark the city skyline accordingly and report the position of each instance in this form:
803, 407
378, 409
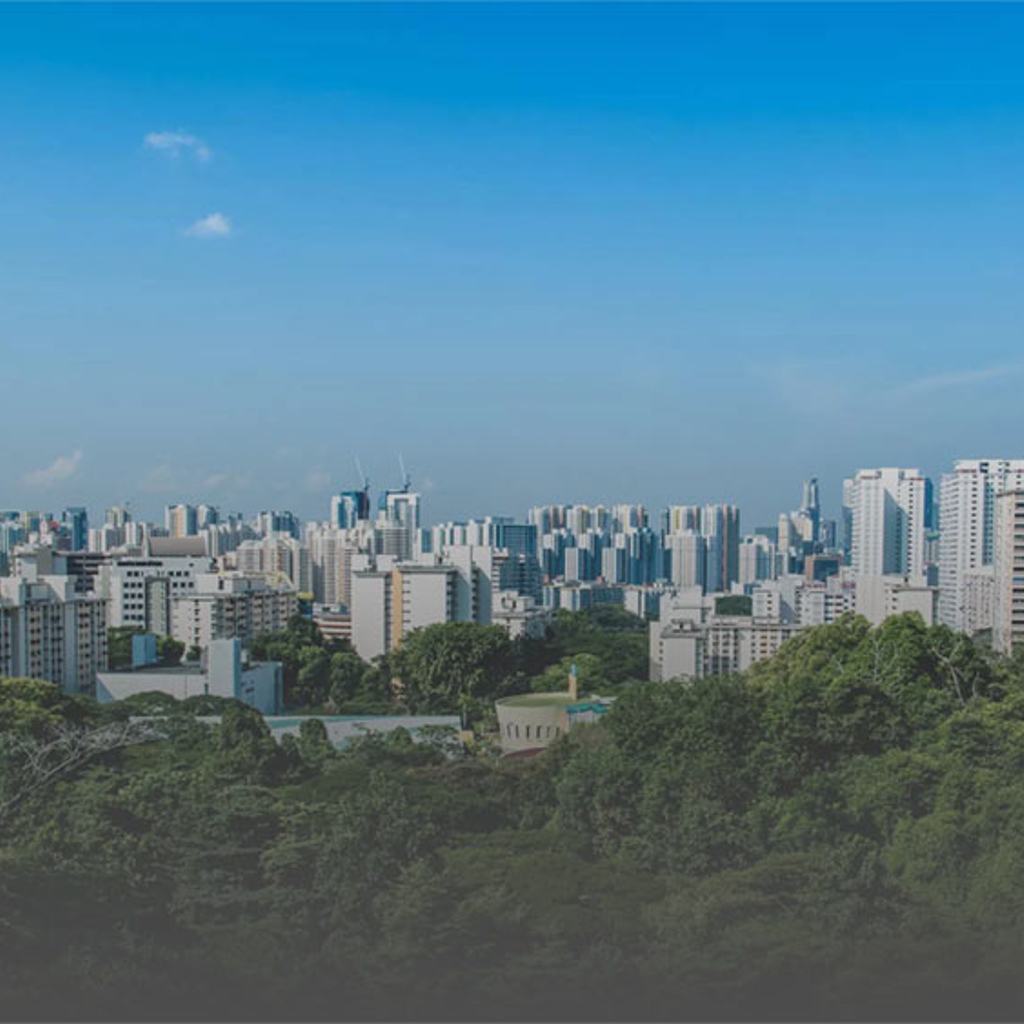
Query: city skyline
668, 253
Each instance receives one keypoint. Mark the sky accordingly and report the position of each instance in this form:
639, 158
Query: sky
667, 253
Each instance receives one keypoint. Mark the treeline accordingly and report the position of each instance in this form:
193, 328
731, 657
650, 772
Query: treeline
839, 834
456, 667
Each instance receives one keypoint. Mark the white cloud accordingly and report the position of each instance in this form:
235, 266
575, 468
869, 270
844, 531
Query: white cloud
955, 379
61, 468
176, 143
214, 225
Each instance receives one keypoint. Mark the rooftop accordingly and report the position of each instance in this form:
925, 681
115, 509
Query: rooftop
540, 700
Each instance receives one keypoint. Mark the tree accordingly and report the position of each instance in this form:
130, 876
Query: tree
446, 667
169, 651
346, 674
590, 675
314, 745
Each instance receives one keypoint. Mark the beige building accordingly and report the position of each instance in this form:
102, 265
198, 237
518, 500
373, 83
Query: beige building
1008, 572
533, 721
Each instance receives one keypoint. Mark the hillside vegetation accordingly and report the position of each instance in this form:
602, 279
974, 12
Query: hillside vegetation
837, 834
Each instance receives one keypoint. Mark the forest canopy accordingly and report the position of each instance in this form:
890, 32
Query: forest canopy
835, 834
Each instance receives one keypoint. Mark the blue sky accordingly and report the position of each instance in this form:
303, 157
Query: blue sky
548, 253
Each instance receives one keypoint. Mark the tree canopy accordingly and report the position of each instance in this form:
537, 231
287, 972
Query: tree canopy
836, 833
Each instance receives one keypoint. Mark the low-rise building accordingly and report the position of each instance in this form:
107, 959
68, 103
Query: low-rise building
519, 615
222, 673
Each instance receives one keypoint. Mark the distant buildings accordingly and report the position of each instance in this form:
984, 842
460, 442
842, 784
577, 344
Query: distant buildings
967, 515
373, 571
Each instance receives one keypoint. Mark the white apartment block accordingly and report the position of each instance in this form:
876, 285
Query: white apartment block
757, 560
887, 510
141, 590
686, 643
687, 552
224, 606
49, 632
1008, 572
388, 603
879, 597
332, 554
279, 556
967, 505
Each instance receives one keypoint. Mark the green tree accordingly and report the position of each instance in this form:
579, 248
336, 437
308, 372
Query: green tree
346, 676
449, 666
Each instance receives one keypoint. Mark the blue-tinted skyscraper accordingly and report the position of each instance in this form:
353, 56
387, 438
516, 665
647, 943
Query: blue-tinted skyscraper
77, 522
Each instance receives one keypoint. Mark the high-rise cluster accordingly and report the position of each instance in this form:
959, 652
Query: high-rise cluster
718, 597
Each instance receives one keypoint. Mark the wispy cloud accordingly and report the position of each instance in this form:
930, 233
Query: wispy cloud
62, 467
956, 378
175, 143
214, 225
317, 480
160, 479
163, 478
814, 387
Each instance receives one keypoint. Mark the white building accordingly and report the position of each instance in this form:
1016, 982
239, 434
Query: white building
389, 602
519, 614
140, 589
967, 505
689, 641
224, 606
50, 632
887, 510
222, 674
332, 554
279, 556
757, 559
687, 552
879, 597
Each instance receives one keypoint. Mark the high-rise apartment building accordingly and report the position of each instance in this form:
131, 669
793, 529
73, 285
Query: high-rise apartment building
77, 522
1008, 571
181, 520
49, 631
887, 517
967, 513
720, 525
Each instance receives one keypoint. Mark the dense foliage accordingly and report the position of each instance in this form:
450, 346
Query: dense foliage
457, 666
836, 834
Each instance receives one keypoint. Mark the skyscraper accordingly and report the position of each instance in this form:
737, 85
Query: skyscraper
966, 546
350, 508
181, 520
887, 517
77, 521
720, 525
810, 506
